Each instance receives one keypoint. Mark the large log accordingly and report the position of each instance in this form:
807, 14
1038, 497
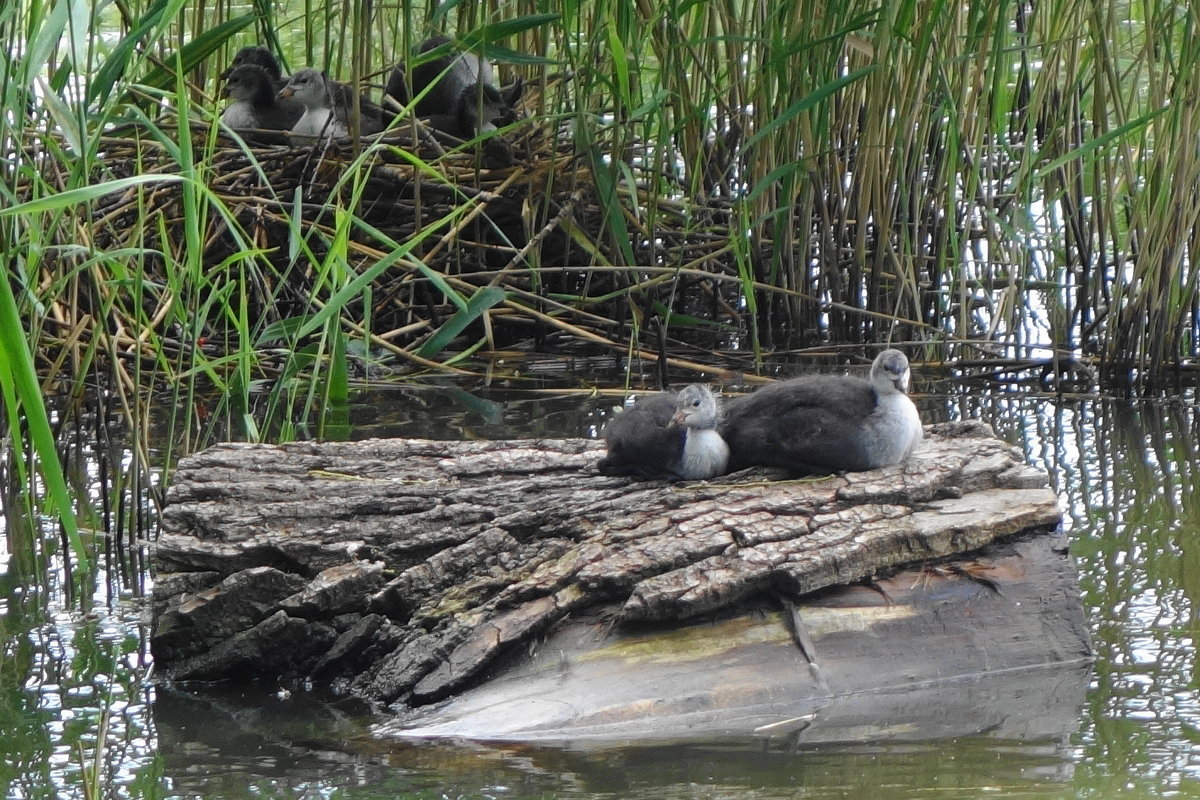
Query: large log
993, 645
398, 570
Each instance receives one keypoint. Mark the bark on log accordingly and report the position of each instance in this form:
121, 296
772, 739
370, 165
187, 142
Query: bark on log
993, 643
398, 570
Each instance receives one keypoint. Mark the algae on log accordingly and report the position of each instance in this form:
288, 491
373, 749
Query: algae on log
397, 570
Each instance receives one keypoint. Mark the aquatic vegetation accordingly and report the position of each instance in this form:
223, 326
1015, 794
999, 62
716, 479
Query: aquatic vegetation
994, 183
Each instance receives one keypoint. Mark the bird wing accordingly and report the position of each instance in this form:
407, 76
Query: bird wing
806, 424
639, 441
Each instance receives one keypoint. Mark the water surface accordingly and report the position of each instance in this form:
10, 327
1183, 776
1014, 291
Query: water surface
1126, 474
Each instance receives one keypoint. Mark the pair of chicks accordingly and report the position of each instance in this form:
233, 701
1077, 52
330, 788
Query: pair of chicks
306, 103
310, 103
810, 424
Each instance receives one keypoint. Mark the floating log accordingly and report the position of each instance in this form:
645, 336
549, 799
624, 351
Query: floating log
399, 571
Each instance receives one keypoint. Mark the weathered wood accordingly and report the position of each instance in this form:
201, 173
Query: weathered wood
993, 642
397, 570
924, 654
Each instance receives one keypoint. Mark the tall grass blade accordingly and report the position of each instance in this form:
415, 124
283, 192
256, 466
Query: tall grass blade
19, 381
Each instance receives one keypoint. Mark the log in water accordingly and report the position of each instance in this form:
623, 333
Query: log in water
399, 570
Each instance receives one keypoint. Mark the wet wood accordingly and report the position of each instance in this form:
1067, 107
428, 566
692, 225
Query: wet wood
995, 642
400, 570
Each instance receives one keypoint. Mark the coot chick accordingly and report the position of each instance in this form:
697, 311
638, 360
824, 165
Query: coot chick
327, 105
456, 92
824, 423
260, 56
255, 104
667, 435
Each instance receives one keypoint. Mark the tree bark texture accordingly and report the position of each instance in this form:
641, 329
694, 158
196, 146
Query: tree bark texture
399, 570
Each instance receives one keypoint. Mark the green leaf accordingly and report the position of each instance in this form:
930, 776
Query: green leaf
19, 380
1099, 141
195, 51
506, 56
443, 9
495, 31
620, 60
337, 389
808, 101
481, 301
287, 329
677, 320
83, 194
118, 60
771, 178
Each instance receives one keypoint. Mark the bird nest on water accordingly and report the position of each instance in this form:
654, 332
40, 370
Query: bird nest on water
524, 214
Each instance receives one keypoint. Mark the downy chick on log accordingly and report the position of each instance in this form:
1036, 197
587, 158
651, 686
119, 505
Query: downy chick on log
667, 434
823, 423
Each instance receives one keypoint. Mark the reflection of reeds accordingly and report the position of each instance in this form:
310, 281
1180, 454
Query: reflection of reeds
1127, 477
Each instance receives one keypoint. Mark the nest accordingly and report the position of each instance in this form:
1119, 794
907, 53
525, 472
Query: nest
523, 214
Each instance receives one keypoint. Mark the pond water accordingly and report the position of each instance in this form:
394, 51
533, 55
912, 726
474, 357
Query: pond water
1127, 476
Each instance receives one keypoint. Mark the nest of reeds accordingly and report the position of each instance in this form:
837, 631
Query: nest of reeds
521, 213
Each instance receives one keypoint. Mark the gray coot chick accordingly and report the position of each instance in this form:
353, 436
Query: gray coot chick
667, 434
327, 105
462, 97
260, 56
823, 423
255, 104
480, 108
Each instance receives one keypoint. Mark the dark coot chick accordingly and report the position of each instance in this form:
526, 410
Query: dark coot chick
445, 76
255, 104
667, 434
456, 92
260, 56
480, 108
824, 423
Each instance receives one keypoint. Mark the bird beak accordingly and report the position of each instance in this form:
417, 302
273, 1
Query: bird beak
225, 90
677, 419
286, 92
225, 74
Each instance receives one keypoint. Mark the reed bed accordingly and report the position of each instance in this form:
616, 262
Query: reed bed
700, 185
975, 178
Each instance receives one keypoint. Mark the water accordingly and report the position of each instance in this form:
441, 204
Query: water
1127, 478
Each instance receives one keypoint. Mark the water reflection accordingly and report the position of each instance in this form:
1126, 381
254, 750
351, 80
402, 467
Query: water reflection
1127, 478
254, 755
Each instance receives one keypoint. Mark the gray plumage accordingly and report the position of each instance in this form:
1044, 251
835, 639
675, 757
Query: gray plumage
667, 434
823, 423
255, 104
462, 98
327, 105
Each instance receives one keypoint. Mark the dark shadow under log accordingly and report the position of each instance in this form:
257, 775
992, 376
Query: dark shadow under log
398, 571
